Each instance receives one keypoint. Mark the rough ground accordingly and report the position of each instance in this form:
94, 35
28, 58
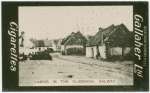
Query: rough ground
79, 67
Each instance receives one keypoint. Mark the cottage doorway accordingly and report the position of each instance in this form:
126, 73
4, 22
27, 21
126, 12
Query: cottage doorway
92, 53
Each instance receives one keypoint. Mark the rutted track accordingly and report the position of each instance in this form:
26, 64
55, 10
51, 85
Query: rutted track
118, 69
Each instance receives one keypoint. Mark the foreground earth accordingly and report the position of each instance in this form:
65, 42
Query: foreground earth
78, 67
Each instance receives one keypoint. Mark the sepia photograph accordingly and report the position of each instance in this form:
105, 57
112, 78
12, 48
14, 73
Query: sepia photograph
75, 45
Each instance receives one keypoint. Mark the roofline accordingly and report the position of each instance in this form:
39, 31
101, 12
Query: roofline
83, 35
74, 35
100, 31
42, 40
117, 28
65, 38
112, 32
69, 39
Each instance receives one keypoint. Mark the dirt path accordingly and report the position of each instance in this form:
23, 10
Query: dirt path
32, 70
124, 67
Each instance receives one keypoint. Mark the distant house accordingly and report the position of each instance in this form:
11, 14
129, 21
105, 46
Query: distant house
42, 45
25, 45
73, 44
113, 41
57, 43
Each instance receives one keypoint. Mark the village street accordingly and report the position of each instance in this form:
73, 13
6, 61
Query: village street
79, 67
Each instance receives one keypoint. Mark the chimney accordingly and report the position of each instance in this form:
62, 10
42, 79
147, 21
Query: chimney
100, 28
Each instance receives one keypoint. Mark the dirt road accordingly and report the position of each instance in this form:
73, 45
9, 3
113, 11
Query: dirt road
31, 70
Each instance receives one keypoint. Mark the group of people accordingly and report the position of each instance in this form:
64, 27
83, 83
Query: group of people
37, 56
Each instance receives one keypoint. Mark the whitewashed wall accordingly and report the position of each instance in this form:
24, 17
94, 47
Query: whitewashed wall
62, 47
26, 51
54, 46
88, 51
116, 51
42, 48
95, 51
102, 51
72, 46
36, 48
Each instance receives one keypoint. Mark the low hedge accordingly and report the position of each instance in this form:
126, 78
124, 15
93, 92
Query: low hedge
75, 51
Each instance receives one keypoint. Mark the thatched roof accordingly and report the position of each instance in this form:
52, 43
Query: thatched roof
42, 43
74, 36
96, 39
107, 32
67, 38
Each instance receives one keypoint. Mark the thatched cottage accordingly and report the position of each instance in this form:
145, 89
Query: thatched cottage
74, 44
111, 42
42, 45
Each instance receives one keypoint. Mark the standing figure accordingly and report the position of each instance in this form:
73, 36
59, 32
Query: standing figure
98, 55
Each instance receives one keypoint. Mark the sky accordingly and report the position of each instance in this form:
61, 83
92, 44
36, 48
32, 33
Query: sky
55, 22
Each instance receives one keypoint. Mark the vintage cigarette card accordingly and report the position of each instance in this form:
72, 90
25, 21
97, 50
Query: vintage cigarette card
75, 46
